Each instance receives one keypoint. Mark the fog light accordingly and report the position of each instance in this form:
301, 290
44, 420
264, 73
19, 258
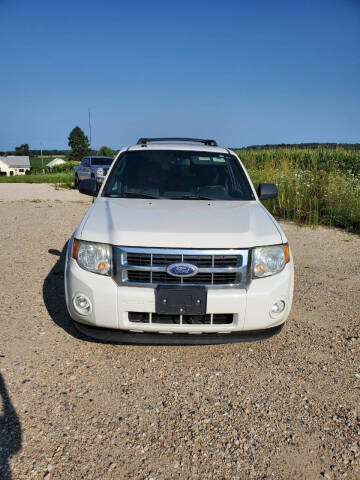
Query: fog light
278, 307
82, 304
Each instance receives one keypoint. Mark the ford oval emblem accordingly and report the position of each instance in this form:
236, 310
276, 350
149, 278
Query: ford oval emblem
182, 269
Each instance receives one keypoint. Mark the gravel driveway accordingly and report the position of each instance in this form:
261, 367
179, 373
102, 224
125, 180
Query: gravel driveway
284, 408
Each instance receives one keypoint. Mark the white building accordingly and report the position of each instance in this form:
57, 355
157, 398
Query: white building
55, 162
14, 165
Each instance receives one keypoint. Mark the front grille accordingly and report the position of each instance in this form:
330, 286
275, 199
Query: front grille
148, 266
138, 259
198, 260
163, 277
159, 318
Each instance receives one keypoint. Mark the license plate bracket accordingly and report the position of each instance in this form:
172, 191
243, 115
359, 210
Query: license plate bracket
180, 300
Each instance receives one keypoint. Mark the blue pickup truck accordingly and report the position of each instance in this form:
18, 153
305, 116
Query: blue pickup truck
92, 167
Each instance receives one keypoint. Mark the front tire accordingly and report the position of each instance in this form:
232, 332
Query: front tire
76, 181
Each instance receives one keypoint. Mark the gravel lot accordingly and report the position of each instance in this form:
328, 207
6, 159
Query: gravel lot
284, 408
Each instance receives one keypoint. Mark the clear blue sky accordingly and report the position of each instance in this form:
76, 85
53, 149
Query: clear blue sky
242, 72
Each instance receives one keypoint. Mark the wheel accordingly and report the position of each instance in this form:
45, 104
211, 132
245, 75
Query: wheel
76, 181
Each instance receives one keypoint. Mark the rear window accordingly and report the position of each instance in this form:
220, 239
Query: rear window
101, 161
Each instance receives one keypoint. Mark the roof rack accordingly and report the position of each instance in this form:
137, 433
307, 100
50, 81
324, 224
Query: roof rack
145, 141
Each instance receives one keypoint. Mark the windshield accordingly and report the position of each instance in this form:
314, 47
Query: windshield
178, 174
101, 161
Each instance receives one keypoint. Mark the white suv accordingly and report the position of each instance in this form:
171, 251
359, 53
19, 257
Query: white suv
177, 248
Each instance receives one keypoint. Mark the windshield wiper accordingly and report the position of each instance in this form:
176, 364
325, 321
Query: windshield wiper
190, 197
146, 195
130, 195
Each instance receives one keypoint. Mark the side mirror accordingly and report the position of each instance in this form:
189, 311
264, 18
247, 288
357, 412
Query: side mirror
88, 187
267, 191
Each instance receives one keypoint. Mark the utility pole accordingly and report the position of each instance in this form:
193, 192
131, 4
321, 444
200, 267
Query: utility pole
42, 160
90, 126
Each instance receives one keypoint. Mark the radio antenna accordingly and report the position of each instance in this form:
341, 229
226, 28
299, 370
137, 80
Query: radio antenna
90, 126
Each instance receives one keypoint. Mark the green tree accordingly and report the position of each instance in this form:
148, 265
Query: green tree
105, 151
23, 150
79, 144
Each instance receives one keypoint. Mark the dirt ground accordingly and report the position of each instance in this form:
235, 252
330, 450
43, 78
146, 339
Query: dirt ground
283, 408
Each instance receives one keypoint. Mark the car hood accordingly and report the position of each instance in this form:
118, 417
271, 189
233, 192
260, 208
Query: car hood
179, 223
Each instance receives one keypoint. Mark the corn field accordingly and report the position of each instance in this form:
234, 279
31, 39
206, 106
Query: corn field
316, 186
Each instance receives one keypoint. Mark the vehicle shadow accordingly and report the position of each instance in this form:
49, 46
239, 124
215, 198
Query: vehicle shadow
10, 432
54, 294
54, 297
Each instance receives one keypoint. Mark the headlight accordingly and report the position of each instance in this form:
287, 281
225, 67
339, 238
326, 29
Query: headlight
100, 171
269, 260
94, 257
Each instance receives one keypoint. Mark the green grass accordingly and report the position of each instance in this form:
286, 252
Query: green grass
65, 179
315, 186
36, 163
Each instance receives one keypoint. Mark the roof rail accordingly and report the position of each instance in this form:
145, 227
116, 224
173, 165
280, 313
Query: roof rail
145, 141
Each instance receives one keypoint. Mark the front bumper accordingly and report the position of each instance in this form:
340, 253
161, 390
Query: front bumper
111, 303
100, 179
126, 336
